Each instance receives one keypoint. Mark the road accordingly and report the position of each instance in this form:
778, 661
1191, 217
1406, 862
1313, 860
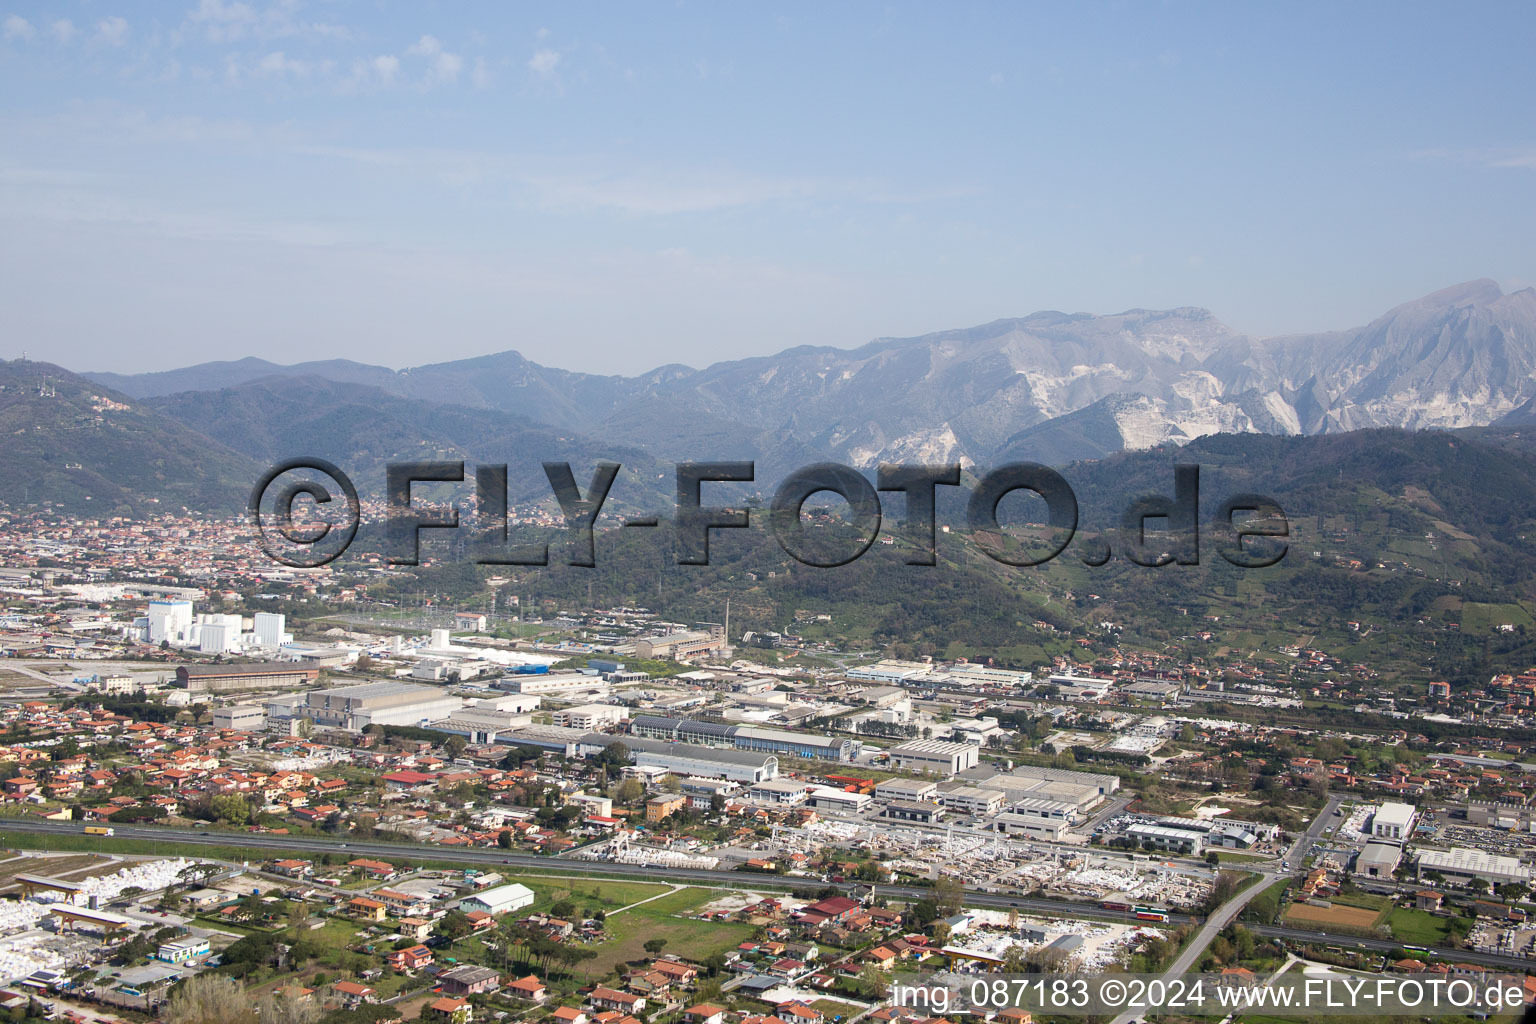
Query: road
1219, 919
1468, 956
261, 845
1303, 845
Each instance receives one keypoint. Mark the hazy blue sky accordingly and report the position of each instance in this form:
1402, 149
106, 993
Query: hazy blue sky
613, 187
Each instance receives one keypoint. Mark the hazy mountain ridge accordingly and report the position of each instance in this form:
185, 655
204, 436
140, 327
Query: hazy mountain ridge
77, 444
1463, 356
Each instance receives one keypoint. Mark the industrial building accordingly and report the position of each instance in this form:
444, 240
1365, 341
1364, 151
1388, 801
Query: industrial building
922, 811
1084, 789
744, 737
743, 766
552, 683
831, 798
935, 757
245, 676
554, 738
1179, 840
1043, 809
1463, 865
1378, 859
501, 900
906, 789
354, 708
678, 646
1393, 821
779, 792
972, 800
1030, 827
591, 717
241, 718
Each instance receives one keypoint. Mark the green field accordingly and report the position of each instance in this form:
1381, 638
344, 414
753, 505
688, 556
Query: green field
604, 893
1485, 618
1417, 927
686, 937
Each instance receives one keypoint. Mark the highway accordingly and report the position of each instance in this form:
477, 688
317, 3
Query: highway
263, 845
1466, 956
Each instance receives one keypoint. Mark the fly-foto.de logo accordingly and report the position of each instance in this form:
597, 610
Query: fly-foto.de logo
1247, 530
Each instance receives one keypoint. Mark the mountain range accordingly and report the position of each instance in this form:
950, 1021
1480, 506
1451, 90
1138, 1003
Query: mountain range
1051, 387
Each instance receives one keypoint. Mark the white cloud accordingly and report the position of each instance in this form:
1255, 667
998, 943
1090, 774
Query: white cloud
223, 22
482, 76
277, 64
544, 63
227, 21
17, 27
63, 30
444, 66
112, 31
386, 66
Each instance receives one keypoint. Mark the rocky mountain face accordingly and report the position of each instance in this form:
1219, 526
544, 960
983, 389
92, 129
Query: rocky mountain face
1051, 387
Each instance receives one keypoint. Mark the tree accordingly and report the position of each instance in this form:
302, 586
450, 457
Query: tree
454, 746
288, 1007
612, 758
504, 839
655, 946
210, 999
454, 924
949, 894
230, 807
875, 980
629, 791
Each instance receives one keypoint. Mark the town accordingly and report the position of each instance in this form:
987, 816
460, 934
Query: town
607, 816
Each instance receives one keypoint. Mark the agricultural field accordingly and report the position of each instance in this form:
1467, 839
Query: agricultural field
667, 918
1339, 914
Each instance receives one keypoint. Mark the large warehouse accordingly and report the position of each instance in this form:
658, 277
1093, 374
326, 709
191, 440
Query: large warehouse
690, 758
380, 703
935, 757
744, 737
244, 676
1083, 789
1463, 865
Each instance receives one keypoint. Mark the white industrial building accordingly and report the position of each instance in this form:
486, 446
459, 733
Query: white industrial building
1030, 827
501, 900
935, 757
563, 682
591, 717
241, 718
1393, 821
745, 766
779, 792
168, 621
269, 630
1463, 865
972, 800
889, 671
1043, 809
382, 703
216, 634
906, 789
1179, 840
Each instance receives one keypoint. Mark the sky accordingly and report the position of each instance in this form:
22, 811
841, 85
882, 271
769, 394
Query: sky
613, 187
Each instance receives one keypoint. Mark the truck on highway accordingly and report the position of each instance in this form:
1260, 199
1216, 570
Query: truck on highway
98, 830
